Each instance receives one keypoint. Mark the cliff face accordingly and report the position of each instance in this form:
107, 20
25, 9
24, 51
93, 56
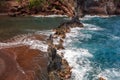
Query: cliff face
64, 7
102, 7
29, 7
97, 7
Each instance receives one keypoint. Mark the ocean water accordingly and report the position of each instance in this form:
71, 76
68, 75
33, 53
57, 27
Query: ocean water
94, 51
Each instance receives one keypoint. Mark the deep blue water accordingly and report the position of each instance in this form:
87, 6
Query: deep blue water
104, 44
101, 38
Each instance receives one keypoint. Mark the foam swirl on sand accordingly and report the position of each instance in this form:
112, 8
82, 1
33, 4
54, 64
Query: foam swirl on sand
24, 57
28, 40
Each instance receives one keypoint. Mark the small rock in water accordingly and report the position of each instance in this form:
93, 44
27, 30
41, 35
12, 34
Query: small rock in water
101, 78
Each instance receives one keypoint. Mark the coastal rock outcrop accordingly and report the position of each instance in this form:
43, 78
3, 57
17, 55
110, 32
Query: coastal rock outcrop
58, 68
65, 28
101, 78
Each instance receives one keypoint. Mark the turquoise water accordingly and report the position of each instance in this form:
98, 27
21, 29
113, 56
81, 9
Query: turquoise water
104, 44
95, 50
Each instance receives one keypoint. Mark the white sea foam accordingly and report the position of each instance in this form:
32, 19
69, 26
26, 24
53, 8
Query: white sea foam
44, 32
56, 40
76, 57
110, 74
67, 18
79, 58
26, 40
35, 44
73, 33
92, 27
49, 16
5, 45
115, 37
88, 17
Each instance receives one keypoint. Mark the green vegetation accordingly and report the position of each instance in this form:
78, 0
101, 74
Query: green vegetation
36, 3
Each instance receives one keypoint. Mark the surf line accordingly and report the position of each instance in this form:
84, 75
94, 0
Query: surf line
58, 67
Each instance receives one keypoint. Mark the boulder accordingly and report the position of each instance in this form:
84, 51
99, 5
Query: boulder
65, 72
54, 76
71, 24
65, 28
101, 78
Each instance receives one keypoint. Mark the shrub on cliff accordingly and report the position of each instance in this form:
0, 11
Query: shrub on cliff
37, 3
49, 6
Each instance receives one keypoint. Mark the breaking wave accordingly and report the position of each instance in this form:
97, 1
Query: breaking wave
94, 51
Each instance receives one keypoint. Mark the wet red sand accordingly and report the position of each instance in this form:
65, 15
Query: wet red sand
22, 63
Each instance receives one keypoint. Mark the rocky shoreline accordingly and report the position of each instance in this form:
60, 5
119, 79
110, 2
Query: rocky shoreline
21, 62
58, 67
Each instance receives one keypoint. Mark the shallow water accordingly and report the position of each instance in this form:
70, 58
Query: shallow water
13, 26
94, 51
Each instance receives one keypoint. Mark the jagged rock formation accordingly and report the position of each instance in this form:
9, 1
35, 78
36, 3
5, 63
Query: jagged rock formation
65, 28
58, 68
101, 78
74, 22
